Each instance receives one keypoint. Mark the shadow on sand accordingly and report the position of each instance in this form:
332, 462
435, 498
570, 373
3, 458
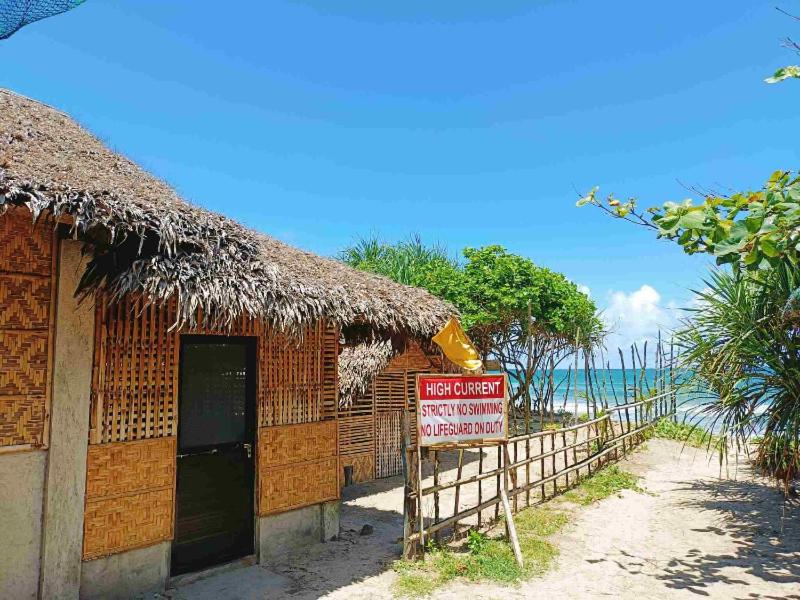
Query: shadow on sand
764, 537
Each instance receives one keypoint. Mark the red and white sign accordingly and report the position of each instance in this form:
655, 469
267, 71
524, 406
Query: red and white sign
459, 409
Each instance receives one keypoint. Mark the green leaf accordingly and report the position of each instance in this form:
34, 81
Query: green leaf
768, 247
752, 257
693, 219
791, 71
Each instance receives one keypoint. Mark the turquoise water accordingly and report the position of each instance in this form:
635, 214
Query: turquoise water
608, 383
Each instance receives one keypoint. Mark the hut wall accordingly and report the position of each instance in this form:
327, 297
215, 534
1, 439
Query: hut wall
27, 267
134, 415
371, 429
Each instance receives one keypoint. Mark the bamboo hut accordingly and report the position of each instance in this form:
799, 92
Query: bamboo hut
168, 378
377, 384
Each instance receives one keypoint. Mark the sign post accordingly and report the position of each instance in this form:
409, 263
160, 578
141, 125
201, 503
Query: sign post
464, 411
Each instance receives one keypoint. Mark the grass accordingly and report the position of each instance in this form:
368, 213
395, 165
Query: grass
492, 559
486, 559
690, 435
604, 483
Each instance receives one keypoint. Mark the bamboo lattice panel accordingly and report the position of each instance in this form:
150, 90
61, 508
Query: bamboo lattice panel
363, 466
298, 376
129, 495
134, 382
390, 391
291, 378
330, 370
297, 485
26, 297
388, 443
297, 466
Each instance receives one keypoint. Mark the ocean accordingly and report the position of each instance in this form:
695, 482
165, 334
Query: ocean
608, 383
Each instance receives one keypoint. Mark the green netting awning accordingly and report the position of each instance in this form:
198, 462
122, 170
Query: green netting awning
15, 14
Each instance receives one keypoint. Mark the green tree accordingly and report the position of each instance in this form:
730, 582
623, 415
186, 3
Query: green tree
527, 316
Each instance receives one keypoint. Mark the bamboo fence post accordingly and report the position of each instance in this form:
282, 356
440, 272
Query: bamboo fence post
541, 464
459, 471
587, 384
510, 527
553, 461
575, 389
527, 470
673, 392
514, 475
420, 512
410, 549
435, 459
625, 399
575, 454
480, 485
564, 446
499, 483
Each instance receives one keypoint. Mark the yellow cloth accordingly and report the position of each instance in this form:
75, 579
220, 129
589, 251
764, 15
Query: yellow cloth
457, 346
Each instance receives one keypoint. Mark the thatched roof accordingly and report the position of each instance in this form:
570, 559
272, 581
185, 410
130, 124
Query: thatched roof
359, 365
148, 239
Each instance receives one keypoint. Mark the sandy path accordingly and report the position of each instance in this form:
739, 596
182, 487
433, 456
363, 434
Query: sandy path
693, 535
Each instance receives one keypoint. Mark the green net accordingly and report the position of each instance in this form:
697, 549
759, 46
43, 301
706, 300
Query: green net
15, 14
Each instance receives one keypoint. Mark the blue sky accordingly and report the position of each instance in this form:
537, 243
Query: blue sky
470, 123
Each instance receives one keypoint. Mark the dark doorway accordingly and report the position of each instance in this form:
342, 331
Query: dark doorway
214, 518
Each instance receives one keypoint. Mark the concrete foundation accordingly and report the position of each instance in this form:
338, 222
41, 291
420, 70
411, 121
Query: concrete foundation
292, 530
133, 574
21, 488
330, 519
65, 484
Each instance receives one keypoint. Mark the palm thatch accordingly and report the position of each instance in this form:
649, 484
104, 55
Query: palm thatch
146, 239
359, 365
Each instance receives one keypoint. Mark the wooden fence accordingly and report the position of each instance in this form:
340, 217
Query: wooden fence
531, 468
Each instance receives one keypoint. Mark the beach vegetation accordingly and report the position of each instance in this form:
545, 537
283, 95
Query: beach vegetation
602, 484
486, 558
740, 340
691, 434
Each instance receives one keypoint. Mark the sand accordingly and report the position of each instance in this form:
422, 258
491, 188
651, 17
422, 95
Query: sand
693, 534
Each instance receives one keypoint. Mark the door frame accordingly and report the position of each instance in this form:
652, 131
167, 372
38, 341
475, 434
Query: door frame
251, 342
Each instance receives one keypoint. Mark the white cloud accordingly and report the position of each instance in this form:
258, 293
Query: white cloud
637, 317
585, 289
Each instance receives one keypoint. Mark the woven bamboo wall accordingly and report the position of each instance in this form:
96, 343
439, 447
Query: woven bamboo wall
129, 495
27, 266
135, 404
298, 466
371, 428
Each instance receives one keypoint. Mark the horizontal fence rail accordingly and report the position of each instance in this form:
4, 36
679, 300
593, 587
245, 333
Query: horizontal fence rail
531, 468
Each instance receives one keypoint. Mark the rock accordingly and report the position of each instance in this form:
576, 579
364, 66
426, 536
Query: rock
367, 529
